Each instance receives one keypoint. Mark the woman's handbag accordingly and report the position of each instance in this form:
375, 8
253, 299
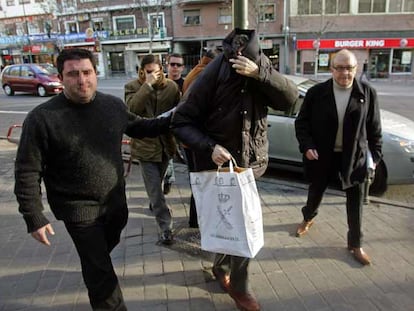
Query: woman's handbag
229, 211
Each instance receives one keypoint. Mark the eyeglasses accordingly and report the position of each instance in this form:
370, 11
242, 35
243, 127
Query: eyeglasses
176, 64
344, 68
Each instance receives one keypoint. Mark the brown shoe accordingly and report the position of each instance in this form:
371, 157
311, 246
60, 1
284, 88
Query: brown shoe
223, 278
304, 228
360, 255
244, 301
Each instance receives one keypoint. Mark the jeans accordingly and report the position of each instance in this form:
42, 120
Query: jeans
153, 174
170, 174
94, 240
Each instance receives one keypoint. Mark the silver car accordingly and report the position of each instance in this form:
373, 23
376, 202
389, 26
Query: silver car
397, 166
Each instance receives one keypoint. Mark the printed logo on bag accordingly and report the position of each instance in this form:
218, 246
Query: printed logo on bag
223, 198
220, 181
224, 212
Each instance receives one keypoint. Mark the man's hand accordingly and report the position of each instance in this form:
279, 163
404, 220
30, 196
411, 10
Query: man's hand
152, 77
220, 155
40, 234
312, 154
245, 67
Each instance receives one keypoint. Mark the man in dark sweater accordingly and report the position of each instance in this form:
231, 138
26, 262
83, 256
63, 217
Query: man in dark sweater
73, 143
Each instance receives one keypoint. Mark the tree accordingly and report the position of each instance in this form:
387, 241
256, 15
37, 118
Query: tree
152, 17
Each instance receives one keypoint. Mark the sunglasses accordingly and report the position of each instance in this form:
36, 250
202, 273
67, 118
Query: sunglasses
176, 64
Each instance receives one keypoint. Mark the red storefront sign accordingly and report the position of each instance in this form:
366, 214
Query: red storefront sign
371, 43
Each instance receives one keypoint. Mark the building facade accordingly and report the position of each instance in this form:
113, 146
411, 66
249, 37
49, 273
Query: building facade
379, 32
299, 36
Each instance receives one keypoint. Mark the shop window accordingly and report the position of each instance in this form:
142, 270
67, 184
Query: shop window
401, 61
225, 16
371, 6
336, 7
124, 22
191, 17
267, 12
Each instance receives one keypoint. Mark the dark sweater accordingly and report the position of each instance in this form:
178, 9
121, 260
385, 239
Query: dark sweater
76, 150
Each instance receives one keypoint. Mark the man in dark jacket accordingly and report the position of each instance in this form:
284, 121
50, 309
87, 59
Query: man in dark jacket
226, 114
338, 124
73, 143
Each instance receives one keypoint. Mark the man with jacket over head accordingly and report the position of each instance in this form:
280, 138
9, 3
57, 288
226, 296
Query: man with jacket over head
338, 123
225, 115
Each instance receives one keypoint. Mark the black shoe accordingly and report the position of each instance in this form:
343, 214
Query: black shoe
167, 237
150, 207
167, 188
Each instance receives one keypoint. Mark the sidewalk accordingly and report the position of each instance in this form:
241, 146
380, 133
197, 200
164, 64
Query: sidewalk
312, 273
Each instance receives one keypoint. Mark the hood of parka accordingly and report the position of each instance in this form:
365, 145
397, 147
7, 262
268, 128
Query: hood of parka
252, 49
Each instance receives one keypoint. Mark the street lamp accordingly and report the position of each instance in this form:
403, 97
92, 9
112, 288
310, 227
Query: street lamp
27, 33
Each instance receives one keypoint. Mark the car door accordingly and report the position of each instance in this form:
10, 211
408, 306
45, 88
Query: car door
27, 79
283, 145
13, 77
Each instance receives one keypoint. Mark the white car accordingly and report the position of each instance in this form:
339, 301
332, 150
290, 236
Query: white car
396, 167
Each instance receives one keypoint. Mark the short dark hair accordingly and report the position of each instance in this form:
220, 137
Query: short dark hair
74, 54
176, 55
149, 59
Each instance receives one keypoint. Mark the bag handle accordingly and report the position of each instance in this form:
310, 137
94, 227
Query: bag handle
232, 165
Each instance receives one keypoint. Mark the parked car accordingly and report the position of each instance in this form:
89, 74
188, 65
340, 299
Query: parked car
49, 67
396, 167
30, 78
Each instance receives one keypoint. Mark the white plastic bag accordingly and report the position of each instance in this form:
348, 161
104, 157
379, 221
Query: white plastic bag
229, 211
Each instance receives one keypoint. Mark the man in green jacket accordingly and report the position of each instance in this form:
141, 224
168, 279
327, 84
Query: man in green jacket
149, 96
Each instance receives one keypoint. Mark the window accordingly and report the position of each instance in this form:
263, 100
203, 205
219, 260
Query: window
10, 2
267, 12
336, 6
191, 17
225, 16
395, 6
371, 6
124, 22
409, 6
98, 25
26, 72
401, 61
24, 1
306, 7
71, 27
156, 22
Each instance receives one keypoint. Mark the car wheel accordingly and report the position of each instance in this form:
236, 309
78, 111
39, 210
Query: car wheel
8, 90
41, 91
379, 184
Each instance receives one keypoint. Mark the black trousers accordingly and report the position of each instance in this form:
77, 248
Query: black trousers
191, 163
94, 240
237, 266
354, 201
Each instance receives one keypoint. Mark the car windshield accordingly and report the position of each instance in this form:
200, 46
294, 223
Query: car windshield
47, 69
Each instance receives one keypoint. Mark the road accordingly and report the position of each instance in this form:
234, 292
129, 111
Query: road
396, 96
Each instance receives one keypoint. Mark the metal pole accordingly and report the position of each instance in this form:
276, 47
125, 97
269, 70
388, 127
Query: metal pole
240, 14
27, 33
286, 37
